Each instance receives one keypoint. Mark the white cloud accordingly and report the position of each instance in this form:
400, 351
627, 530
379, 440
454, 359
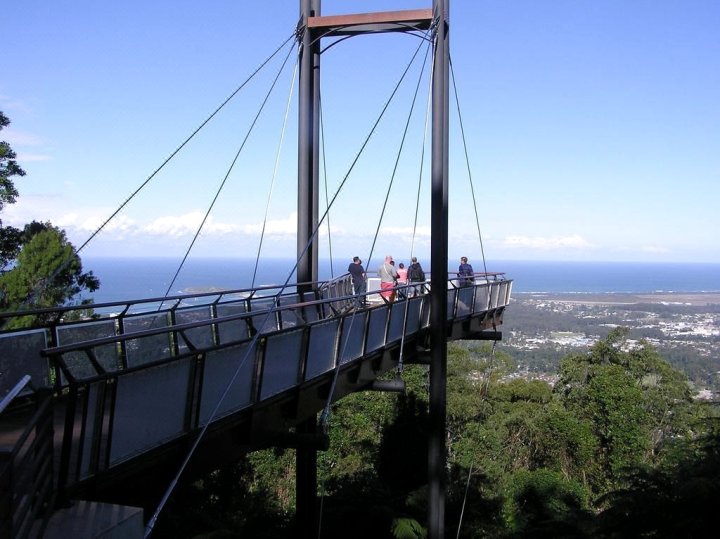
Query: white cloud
407, 231
183, 225
558, 242
278, 227
120, 224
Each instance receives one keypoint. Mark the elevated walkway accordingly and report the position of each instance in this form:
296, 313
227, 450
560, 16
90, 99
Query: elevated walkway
129, 389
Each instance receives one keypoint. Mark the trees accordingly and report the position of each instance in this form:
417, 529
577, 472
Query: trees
616, 449
47, 272
39, 267
9, 236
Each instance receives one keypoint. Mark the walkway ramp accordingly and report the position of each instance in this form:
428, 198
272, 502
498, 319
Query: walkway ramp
130, 390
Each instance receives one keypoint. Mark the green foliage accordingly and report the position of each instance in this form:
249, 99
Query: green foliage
8, 168
224, 503
543, 503
616, 449
634, 400
39, 267
47, 272
9, 236
408, 528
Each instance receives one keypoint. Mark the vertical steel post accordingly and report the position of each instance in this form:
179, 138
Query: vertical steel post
307, 270
439, 272
308, 148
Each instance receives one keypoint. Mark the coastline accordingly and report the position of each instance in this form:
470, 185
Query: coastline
624, 298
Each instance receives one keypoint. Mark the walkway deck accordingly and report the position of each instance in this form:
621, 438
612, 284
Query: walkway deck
132, 388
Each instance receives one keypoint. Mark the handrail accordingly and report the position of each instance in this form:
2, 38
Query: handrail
91, 343
27, 471
14, 392
219, 293
162, 299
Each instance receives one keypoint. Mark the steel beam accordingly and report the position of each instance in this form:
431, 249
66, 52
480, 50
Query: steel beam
307, 246
437, 452
363, 23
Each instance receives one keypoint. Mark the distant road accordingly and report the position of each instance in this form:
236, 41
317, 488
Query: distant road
618, 298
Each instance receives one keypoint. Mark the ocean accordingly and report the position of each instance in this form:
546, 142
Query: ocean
135, 278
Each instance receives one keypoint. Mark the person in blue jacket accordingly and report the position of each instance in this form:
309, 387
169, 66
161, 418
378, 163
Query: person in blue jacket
466, 275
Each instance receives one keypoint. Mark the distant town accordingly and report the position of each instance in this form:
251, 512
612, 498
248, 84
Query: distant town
540, 329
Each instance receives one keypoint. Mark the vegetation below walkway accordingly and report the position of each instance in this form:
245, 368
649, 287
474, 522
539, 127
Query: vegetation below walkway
618, 448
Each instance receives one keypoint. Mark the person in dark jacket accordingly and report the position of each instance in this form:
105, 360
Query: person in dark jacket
359, 279
416, 275
466, 275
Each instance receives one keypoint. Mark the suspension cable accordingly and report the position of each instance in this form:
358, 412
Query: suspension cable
227, 174
399, 154
203, 124
417, 206
462, 511
467, 162
275, 169
271, 311
422, 161
325, 183
477, 219
326, 410
71, 256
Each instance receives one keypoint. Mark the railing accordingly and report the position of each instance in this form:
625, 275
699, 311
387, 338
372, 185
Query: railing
26, 475
149, 374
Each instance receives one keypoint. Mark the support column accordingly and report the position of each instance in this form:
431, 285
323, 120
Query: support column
306, 514
437, 452
308, 147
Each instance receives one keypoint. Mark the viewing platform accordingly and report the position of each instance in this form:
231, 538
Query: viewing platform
122, 393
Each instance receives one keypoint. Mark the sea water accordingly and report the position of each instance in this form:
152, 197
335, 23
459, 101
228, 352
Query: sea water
134, 278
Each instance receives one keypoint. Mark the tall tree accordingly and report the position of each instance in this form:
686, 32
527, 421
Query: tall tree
46, 273
39, 267
9, 236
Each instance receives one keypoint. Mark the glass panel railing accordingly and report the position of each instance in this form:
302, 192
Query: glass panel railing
508, 292
147, 349
352, 333
377, 328
20, 356
199, 337
397, 317
235, 363
425, 311
91, 430
266, 320
107, 355
291, 316
494, 295
464, 301
451, 297
281, 363
413, 316
322, 346
232, 330
150, 408
482, 297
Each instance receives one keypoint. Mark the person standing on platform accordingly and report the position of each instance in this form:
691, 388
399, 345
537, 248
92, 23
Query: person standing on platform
388, 275
416, 275
466, 274
402, 280
359, 279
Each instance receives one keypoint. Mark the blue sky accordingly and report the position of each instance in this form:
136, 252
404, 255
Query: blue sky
593, 128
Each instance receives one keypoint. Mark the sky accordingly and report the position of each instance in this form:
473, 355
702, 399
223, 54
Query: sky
592, 129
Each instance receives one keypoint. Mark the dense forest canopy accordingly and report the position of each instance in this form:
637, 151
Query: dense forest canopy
617, 439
